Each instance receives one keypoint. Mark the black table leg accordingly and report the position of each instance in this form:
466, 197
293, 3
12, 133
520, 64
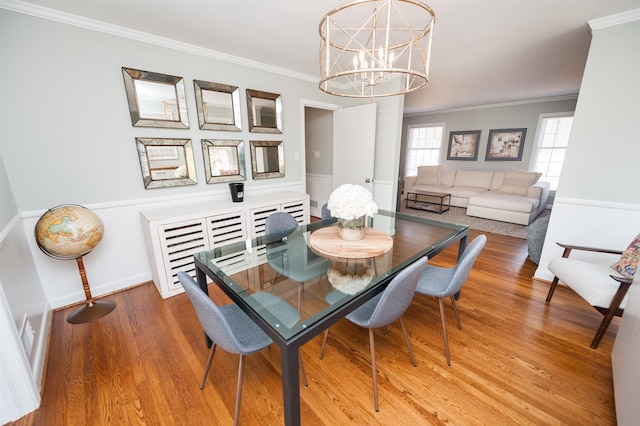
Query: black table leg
290, 384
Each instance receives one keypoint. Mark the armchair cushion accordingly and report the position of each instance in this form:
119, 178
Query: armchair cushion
628, 263
587, 278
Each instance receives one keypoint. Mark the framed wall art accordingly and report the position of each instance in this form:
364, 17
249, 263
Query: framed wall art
155, 100
463, 145
264, 111
218, 106
166, 162
505, 144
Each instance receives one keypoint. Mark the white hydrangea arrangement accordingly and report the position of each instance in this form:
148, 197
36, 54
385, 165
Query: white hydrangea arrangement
349, 202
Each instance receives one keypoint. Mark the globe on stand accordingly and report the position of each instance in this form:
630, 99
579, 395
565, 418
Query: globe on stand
68, 232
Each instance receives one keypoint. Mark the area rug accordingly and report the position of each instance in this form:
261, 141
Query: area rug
458, 215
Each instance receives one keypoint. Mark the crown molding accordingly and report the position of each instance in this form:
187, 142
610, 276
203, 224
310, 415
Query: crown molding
94, 25
497, 105
610, 21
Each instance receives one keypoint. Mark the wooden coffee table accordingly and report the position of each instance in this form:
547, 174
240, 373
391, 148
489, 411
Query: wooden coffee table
428, 201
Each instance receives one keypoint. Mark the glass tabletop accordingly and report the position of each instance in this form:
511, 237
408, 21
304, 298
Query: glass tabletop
315, 284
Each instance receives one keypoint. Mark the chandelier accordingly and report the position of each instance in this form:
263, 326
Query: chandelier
371, 48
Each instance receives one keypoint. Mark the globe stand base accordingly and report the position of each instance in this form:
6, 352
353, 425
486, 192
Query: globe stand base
91, 311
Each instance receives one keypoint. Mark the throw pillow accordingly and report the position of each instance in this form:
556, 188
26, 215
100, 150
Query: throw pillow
628, 263
538, 175
428, 175
518, 182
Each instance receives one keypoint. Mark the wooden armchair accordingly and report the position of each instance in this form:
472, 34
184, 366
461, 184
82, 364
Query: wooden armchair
595, 282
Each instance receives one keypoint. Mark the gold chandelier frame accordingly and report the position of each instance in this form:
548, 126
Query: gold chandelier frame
388, 54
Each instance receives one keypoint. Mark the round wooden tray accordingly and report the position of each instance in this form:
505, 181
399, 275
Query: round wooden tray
326, 241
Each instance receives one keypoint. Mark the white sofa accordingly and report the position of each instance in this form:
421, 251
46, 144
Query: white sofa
513, 196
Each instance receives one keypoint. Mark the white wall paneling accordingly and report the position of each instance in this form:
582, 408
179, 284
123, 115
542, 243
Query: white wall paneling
319, 188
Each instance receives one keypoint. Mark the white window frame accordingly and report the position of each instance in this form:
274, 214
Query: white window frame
538, 140
408, 144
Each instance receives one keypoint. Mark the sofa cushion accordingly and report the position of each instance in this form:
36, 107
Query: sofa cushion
428, 175
464, 191
475, 179
538, 174
496, 183
518, 182
447, 177
504, 201
429, 188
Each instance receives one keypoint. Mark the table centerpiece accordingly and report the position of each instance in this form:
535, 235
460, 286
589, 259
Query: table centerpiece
351, 204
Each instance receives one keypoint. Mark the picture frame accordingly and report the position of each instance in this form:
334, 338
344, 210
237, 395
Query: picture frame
166, 162
267, 159
264, 111
505, 144
218, 106
223, 160
155, 100
463, 145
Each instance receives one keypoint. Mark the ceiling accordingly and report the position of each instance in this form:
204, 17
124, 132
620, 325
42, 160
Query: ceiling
483, 51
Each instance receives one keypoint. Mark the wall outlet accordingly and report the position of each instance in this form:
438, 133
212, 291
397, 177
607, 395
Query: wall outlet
313, 203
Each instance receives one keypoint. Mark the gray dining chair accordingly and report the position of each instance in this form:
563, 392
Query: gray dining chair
294, 260
279, 225
230, 328
382, 310
447, 282
326, 213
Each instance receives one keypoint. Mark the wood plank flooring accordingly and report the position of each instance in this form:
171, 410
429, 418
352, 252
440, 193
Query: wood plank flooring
516, 361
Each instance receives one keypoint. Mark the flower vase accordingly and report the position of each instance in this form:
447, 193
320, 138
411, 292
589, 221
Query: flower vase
351, 229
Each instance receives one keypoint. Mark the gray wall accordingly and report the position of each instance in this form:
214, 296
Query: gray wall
67, 119
604, 149
8, 208
522, 115
319, 138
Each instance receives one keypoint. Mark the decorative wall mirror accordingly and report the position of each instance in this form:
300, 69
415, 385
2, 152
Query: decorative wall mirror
267, 159
218, 106
166, 162
223, 160
265, 111
155, 100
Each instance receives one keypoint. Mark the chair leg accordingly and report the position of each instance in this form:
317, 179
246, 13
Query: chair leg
552, 289
208, 366
611, 312
455, 311
324, 342
304, 375
374, 374
273, 283
444, 331
406, 339
236, 414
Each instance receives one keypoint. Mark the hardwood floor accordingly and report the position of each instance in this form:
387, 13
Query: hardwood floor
517, 361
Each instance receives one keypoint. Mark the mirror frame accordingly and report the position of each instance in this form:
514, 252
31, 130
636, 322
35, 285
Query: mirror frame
209, 144
145, 166
131, 75
256, 94
254, 164
199, 86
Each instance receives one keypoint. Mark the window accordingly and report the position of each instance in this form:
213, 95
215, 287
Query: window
551, 145
423, 147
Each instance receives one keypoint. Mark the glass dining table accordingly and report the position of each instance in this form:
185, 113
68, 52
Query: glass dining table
290, 267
